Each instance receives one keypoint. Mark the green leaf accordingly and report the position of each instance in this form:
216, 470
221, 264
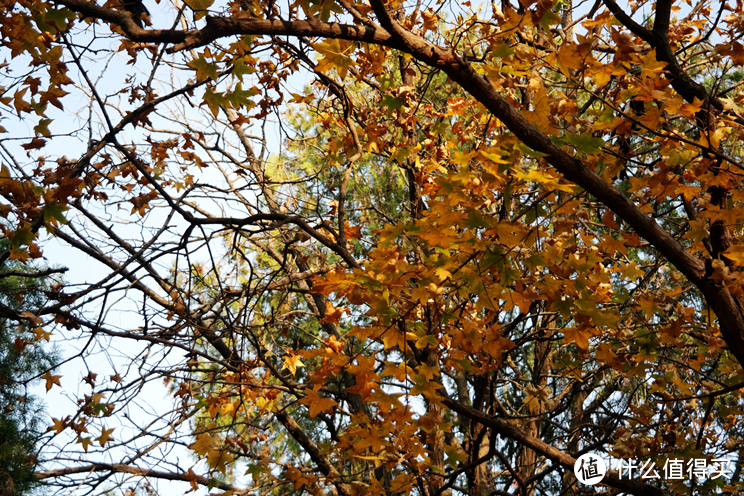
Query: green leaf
255, 471
39, 107
215, 100
204, 69
465, 363
322, 7
476, 220
241, 98
441, 127
401, 154
502, 50
54, 20
240, 68
201, 403
21, 237
550, 18
326, 7
529, 151
55, 210
391, 103
585, 142
454, 456
42, 127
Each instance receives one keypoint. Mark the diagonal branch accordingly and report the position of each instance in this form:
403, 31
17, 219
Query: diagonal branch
629, 23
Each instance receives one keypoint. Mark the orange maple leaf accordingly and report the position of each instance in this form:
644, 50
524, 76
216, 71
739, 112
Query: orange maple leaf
578, 336
315, 403
332, 314
191, 477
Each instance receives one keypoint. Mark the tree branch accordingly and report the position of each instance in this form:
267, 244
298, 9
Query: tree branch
504, 428
220, 27
128, 469
125, 21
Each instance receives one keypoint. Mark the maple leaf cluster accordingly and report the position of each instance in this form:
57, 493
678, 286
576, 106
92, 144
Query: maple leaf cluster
487, 240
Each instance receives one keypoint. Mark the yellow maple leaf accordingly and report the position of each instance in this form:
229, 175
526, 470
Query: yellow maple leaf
605, 353
332, 314
428, 389
603, 74
371, 439
540, 116
428, 371
652, 117
697, 231
650, 67
610, 246
569, 58
296, 476
58, 425
333, 56
215, 405
203, 444
395, 370
364, 376
40, 334
689, 109
689, 192
292, 362
516, 299
535, 397
51, 380
218, 460
105, 436
85, 441
631, 271
735, 253
385, 402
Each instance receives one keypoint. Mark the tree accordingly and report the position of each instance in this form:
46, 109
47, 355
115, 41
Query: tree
22, 358
491, 239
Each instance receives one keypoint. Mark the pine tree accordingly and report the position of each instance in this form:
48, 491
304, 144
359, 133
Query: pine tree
22, 359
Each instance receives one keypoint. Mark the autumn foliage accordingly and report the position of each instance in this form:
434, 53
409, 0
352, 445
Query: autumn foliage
385, 247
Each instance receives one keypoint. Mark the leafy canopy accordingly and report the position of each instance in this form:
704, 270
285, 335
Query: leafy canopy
488, 239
